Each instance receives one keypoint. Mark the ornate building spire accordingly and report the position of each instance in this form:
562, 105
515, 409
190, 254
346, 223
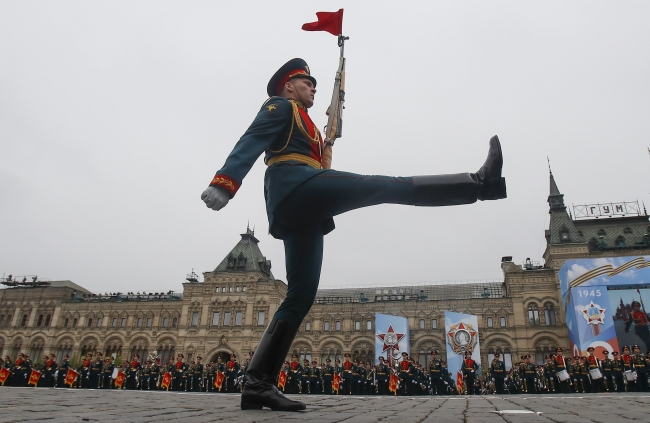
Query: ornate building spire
561, 229
246, 256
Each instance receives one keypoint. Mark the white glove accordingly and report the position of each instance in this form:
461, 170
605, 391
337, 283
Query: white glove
215, 198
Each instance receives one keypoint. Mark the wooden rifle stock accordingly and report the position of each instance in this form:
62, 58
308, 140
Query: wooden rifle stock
334, 113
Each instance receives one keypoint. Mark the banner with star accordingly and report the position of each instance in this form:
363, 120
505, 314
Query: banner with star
391, 332
461, 333
603, 303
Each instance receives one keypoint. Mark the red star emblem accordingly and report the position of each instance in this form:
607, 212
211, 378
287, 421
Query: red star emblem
594, 314
390, 338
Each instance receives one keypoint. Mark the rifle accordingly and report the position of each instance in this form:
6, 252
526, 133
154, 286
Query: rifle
333, 130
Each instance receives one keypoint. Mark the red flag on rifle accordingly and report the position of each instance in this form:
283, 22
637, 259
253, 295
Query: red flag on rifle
331, 22
459, 382
34, 377
70, 377
393, 383
336, 383
119, 380
282, 380
218, 381
166, 380
4, 375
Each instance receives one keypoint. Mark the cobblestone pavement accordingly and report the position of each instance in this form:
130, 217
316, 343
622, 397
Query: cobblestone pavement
67, 405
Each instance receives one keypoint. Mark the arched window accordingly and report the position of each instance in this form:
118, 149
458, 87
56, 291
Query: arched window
549, 314
533, 315
490, 322
507, 358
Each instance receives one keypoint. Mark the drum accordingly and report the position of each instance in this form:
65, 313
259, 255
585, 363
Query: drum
630, 375
595, 374
563, 375
115, 372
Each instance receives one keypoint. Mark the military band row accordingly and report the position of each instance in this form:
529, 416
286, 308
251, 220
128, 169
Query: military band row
583, 374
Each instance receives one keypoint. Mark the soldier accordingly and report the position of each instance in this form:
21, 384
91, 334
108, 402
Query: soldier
404, 375
640, 320
232, 372
132, 376
84, 371
154, 374
179, 369
498, 370
549, 373
369, 384
63, 371
295, 370
107, 373
198, 375
328, 377
593, 364
348, 378
560, 365
145, 376
302, 198
469, 371
607, 371
305, 377
628, 368
338, 370
641, 370
382, 373
528, 373
358, 373
187, 377
49, 369
617, 372
95, 371
221, 368
315, 386
210, 374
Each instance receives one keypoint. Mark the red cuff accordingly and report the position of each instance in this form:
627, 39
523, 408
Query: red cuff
226, 182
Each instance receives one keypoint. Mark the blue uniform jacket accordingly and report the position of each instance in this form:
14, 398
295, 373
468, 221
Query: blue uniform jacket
281, 127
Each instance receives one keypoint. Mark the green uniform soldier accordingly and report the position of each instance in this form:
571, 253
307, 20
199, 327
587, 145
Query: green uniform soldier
107, 373
301, 200
382, 374
155, 375
641, 370
197, 375
328, 377
606, 366
145, 379
498, 371
529, 374
315, 383
63, 371
94, 375
617, 373
305, 377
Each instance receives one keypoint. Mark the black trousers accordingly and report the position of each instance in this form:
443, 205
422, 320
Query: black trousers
324, 196
498, 383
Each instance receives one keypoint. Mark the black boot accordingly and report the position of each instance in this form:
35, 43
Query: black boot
491, 185
260, 389
463, 188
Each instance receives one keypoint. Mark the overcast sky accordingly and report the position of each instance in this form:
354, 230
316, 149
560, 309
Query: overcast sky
115, 115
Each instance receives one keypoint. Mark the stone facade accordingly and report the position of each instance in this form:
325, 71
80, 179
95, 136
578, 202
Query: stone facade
228, 312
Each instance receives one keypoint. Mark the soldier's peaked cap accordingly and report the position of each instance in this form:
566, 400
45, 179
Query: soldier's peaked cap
591, 349
294, 68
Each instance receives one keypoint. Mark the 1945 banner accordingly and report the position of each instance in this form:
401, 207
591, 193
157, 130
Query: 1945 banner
461, 333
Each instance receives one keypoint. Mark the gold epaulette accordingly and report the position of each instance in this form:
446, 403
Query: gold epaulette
295, 157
